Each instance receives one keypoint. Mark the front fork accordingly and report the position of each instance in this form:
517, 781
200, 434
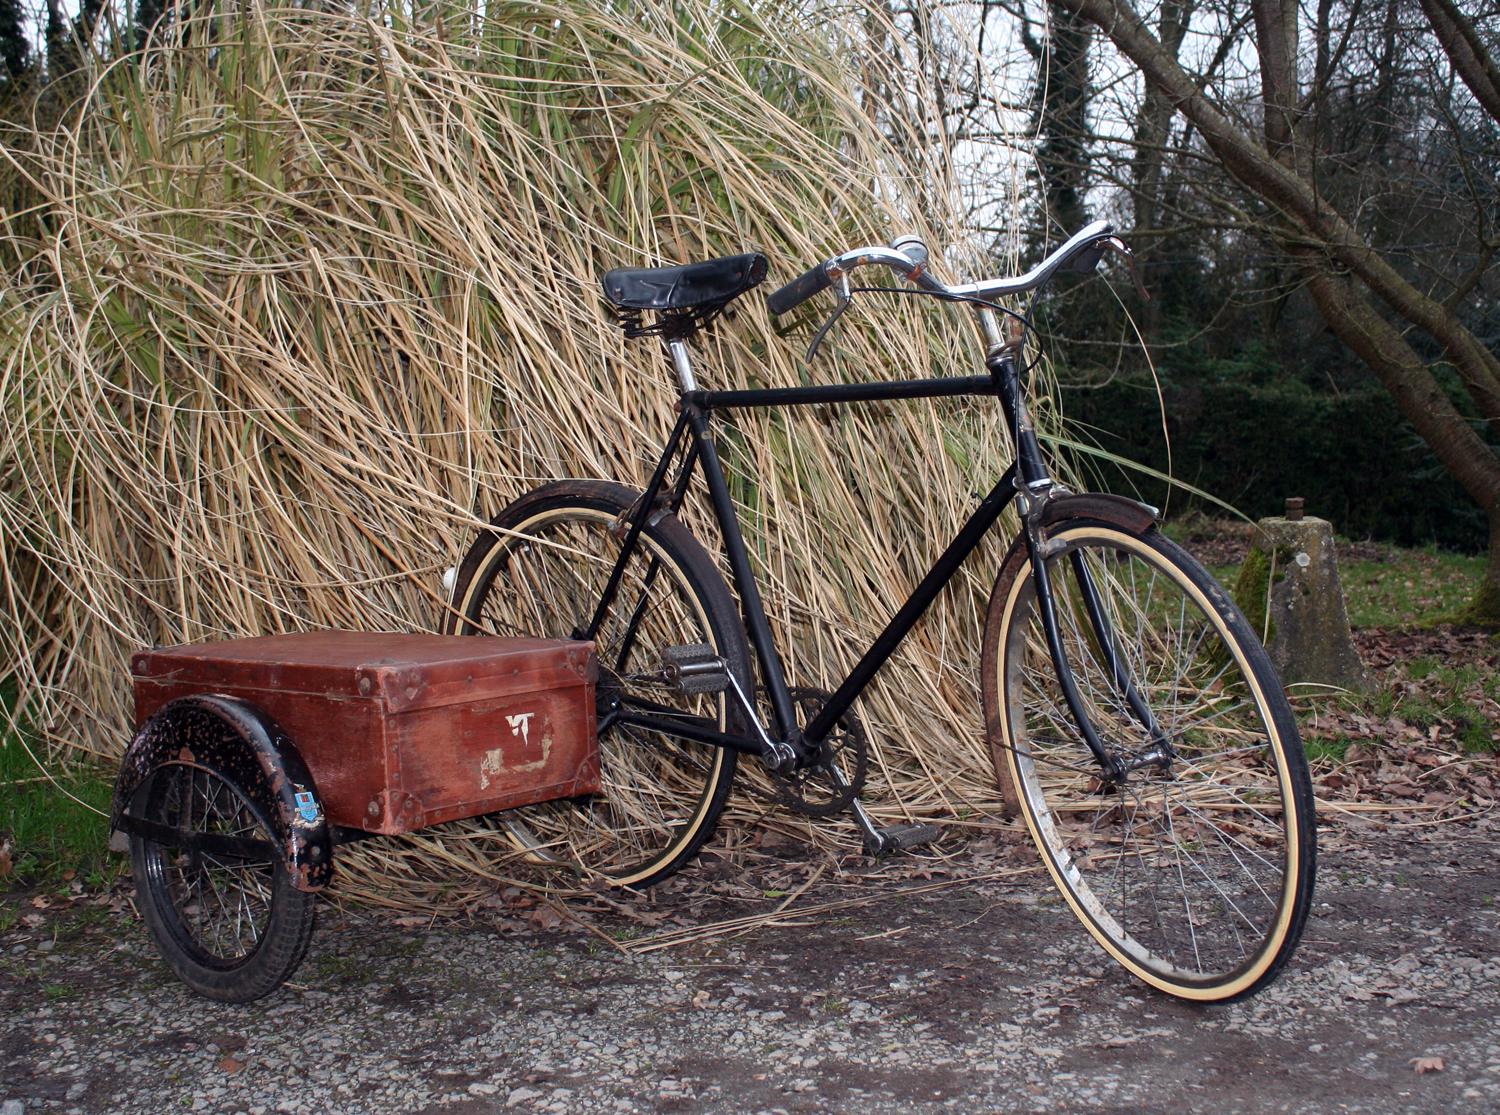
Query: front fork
1034, 487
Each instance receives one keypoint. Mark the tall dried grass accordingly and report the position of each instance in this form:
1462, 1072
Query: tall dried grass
315, 293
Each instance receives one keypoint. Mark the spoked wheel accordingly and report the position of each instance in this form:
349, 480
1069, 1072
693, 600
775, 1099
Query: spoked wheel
1196, 871
217, 899
541, 574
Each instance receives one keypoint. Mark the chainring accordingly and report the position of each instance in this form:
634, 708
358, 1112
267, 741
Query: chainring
813, 790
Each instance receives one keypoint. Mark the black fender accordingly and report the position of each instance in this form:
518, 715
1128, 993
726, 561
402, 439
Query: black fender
1116, 510
244, 745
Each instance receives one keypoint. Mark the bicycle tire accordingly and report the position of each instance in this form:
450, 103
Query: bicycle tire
232, 928
1196, 878
661, 797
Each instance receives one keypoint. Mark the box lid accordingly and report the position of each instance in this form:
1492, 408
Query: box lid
402, 671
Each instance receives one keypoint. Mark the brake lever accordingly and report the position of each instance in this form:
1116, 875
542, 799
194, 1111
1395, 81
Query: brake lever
846, 296
1115, 244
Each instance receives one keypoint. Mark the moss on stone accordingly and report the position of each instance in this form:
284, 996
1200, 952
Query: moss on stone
1484, 609
1252, 587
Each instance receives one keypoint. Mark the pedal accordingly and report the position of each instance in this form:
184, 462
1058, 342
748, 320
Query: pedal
694, 668
900, 838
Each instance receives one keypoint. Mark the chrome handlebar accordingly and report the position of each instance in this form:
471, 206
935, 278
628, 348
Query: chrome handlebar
907, 256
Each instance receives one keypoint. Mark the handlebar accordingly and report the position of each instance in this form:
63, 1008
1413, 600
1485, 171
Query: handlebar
812, 281
1082, 248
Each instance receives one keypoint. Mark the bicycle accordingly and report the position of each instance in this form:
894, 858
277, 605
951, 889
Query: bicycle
1135, 722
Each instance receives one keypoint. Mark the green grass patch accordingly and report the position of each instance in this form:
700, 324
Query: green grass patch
1330, 750
1420, 712
1476, 734
1420, 668
1385, 586
50, 835
1415, 588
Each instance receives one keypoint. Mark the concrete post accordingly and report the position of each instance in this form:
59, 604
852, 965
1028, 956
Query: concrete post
1289, 589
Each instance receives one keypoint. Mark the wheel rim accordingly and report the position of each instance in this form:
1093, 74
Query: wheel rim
217, 908
1187, 876
656, 792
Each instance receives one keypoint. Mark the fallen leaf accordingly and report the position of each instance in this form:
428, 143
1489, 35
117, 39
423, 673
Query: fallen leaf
41, 902
231, 1064
700, 1000
1425, 1065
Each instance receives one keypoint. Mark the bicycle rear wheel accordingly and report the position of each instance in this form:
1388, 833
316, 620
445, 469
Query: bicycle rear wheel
1195, 875
541, 573
229, 922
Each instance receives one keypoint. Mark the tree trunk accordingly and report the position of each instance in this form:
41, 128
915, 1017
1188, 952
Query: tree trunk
1153, 124
1296, 199
1325, 244
1453, 440
1463, 46
1062, 102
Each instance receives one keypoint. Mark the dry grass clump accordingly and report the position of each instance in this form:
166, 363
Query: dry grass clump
315, 293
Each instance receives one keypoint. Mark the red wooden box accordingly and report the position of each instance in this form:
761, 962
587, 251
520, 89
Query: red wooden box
401, 731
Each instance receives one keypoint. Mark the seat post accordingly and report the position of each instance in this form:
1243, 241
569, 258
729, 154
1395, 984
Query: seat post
679, 350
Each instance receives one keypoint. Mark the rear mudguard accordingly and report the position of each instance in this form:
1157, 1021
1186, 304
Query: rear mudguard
241, 743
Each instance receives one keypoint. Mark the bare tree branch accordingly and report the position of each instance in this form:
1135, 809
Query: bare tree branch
1462, 45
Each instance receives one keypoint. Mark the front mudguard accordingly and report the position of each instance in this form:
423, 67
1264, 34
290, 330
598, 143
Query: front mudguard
242, 744
1101, 507
1054, 513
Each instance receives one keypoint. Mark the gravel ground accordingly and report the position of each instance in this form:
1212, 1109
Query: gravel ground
982, 995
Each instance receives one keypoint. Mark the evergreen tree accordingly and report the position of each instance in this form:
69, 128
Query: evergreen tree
61, 58
15, 47
148, 14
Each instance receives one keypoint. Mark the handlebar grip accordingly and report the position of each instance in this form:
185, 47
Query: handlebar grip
800, 289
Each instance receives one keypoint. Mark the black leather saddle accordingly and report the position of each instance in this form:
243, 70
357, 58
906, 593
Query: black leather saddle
691, 286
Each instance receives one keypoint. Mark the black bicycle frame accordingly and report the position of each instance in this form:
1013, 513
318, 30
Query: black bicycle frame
1027, 473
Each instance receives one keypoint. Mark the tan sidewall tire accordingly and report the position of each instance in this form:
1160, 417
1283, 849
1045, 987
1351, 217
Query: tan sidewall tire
1010, 587
670, 541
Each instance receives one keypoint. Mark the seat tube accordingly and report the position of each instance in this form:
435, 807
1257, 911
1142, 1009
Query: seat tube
682, 365
752, 610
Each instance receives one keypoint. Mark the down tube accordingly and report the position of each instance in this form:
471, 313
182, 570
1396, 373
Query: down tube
922, 596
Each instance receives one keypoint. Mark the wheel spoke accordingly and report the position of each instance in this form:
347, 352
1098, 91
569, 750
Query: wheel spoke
1185, 867
221, 906
542, 576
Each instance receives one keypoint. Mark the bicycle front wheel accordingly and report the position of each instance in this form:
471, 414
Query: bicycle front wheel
541, 574
1196, 871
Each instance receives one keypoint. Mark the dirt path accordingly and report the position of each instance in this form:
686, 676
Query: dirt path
980, 996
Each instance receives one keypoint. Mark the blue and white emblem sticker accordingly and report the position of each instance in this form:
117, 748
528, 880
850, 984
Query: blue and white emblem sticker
307, 806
